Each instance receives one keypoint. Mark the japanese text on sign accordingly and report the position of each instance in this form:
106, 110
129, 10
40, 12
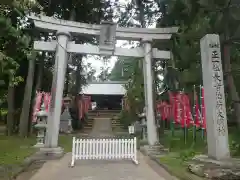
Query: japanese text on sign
218, 85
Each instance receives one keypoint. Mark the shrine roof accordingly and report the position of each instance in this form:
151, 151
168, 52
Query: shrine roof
104, 88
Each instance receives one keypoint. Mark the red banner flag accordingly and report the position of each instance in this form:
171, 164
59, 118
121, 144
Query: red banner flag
187, 109
175, 99
87, 102
198, 115
47, 101
180, 109
80, 107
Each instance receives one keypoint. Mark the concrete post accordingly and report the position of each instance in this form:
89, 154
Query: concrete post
61, 58
217, 130
148, 82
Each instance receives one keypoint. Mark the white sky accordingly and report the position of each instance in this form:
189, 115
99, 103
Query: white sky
96, 63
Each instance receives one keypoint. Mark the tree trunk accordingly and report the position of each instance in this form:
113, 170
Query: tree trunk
175, 82
24, 118
66, 90
40, 74
78, 78
11, 110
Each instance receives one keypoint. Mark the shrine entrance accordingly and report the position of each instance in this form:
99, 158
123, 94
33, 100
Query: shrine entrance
106, 95
107, 33
107, 102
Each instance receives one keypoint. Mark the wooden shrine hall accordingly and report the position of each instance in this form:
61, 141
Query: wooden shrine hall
106, 95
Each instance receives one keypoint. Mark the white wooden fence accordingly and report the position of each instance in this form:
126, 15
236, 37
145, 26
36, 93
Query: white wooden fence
104, 149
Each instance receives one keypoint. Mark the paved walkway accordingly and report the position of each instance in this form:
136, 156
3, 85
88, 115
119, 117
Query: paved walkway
102, 127
97, 169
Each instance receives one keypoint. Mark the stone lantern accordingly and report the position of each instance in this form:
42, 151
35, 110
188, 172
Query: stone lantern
41, 126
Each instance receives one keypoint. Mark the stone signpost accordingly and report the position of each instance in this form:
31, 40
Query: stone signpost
217, 129
63, 46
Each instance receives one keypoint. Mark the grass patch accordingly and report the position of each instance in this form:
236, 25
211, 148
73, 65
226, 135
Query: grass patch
65, 141
177, 143
15, 149
234, 142
182, 151
177, 167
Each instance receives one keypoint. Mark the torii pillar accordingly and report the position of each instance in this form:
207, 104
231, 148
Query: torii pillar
148, 84
53, 122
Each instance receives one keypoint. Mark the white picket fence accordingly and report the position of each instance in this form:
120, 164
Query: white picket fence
104, 149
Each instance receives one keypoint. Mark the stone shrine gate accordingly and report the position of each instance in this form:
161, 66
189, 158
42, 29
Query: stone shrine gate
217, 133
108, 33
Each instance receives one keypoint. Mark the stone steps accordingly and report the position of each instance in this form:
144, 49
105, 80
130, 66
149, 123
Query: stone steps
102, 114
116, 124
88, 126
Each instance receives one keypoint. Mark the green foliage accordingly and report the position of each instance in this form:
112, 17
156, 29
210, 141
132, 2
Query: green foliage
123, 69
129, 69
195, 18
187, 154
234, 142
15, 45
126, 118
234, 147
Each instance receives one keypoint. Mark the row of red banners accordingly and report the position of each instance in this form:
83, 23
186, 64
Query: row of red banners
181, 110
84, 103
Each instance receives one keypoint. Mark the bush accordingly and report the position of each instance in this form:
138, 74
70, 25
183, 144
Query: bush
127, 118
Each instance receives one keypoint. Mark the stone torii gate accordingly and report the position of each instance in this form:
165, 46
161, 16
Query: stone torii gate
108, 33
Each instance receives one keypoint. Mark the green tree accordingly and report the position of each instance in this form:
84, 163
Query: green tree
123, 69
14, 49
197, 18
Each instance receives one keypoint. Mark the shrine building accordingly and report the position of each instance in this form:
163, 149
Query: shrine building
106, 94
